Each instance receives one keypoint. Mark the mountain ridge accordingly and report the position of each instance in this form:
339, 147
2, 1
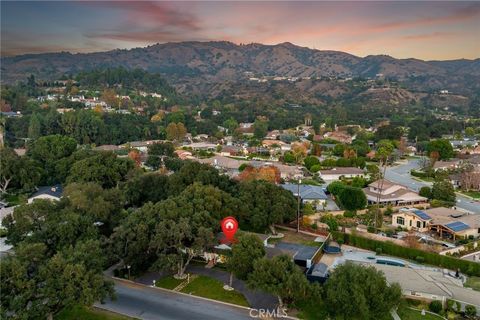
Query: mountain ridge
217, 61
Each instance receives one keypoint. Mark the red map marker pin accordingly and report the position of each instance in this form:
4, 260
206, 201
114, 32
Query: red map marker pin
229, 227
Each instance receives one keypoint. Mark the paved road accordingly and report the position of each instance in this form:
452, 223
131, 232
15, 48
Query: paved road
256, 299
147, 303
401, 174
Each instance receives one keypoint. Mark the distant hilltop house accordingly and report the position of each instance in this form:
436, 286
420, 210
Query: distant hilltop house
141, 146
339, 136
314, 195
446, 223
11, 114
47, 192
387, 192
446, 165
183, 154
339, 172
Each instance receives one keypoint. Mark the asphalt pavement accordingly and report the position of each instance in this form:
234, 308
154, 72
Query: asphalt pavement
401, 174
147, 303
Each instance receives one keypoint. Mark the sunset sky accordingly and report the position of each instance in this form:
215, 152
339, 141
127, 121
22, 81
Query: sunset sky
425, 30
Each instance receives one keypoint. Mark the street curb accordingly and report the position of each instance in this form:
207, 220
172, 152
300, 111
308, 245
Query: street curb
194, 296
100, 307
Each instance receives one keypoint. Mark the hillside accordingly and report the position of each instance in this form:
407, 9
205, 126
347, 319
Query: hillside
199, 63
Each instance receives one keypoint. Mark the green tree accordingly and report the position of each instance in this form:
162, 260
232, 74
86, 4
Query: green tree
357, 292
231, 125
265, 204
281, 277
470, 311
34, 127
425, 192
352, 198
469, 131
146, 187
38, 287
435, 306
338, 150
311, 161
245, 252
336, 187
288, 157
48, 151
18, 172
443, 190
159, 151
103, 168
260, 129
442, 146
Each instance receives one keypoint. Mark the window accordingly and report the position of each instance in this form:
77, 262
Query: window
401, 221
419, 224
410, 223
424, 224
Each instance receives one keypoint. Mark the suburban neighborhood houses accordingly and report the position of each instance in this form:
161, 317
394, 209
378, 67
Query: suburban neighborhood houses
159, 162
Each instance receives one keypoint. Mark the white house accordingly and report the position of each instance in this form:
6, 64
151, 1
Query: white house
387, 192
337, 173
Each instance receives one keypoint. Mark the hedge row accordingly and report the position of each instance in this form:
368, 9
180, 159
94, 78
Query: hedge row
419, 174
388, 247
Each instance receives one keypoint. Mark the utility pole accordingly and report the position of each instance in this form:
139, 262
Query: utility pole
298, 204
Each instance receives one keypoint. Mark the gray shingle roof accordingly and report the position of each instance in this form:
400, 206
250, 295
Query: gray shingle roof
307, 192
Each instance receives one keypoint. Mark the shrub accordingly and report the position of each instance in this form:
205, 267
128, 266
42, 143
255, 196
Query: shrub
420, 259
314, 226
388, 211
335, 187
425, 192
378, 251
371, 229
435, 306
349, 214
470, 310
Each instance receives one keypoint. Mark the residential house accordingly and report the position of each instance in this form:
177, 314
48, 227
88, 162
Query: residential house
141, 146
430, 284
452, 224
314, 195
108, 147
48, 192
339, 172
411, 218
446, 165
183, 154
389, 193
232, 151
206, 146
339, 136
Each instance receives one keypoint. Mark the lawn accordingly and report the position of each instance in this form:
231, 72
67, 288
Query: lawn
408, 314
84, 313
473, 194
168, 282
473, 282
311, 311
300, 238
213, 289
